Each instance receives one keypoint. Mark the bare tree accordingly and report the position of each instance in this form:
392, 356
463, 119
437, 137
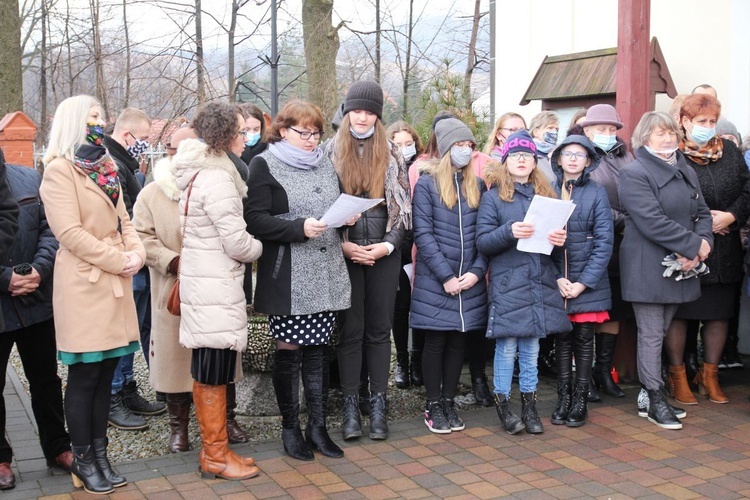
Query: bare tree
101, 88
11, 74
200, 71
127, 53
471, 60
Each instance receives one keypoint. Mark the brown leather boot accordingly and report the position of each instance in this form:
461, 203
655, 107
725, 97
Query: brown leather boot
234, 431
178, 405
707, 381
678, 386
215, 458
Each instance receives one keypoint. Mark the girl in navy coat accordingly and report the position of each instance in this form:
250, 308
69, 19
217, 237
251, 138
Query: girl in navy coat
449, 297
583, 280
525, 304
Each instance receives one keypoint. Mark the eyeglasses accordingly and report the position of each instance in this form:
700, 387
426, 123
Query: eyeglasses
307, 135
569, 155
242, 133
511, 130
518, 156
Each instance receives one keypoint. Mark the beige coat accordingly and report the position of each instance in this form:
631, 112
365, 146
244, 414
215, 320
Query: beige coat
215, 249
156, 218
94, 308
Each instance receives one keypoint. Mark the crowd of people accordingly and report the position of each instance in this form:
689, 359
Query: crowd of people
163, 262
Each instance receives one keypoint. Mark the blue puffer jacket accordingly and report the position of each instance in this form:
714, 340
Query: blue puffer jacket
588, 247
524, 298
446, 248
36, 245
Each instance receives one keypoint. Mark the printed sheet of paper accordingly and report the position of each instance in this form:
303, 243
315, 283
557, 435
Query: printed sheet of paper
346, 207
409, 270
547, 214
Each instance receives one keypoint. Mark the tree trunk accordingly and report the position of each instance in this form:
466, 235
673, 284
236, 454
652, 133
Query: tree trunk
407, 72
42, 134
321, 49
127, 53
101, 89
11, 76
199, 53
230, 50
471, 61
377, 41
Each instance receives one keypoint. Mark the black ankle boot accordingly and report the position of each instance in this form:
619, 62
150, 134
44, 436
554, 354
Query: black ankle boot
659, 411
560, 415
593, 396
416, 369
602, 372
100, 456
378, 416
691, 365
315, 381
529, 415
511, 423
579, 408
401, 376
286, 371
86, 474
352, 425
481, 389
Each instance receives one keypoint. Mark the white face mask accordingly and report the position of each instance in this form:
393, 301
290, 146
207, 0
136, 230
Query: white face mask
665, 152
409, 151
460, 156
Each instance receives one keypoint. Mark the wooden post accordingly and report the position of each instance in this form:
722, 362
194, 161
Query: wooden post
633, 27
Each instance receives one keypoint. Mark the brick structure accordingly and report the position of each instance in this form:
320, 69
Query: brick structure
17, 133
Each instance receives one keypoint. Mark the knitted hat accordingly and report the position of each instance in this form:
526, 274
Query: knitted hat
365, 95
725, 127
518, 142
441, 115
450, 131
602, 114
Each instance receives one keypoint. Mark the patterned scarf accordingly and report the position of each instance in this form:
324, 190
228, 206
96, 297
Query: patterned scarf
397, 191
712, 151
100, 168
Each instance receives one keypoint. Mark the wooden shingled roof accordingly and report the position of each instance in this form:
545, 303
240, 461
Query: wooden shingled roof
592, 73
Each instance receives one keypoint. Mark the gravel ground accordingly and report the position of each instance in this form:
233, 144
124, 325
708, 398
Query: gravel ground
131, 445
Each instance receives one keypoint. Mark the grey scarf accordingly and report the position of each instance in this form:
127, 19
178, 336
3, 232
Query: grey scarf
294, 156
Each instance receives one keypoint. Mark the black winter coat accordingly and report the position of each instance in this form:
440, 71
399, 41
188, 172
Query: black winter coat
251, 152
127, 166
8, 218
664, 212
35, 245
725, 184
588, 246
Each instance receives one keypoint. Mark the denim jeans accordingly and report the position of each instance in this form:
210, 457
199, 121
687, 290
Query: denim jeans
505, 354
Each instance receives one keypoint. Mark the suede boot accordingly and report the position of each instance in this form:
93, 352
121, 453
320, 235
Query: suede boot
678, 386
315, 381
707, 381
286, 370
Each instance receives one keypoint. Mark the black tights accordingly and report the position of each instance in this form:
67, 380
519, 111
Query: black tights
87, 398
442, 360
713, 333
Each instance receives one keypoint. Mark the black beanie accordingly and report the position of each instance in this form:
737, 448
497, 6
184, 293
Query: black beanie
365, 95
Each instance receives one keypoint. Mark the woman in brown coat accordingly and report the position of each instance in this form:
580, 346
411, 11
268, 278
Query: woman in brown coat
95, 317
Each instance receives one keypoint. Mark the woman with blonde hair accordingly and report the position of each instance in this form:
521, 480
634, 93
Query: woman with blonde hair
449, 297
95, 316
544, 129
509, 123
369, 166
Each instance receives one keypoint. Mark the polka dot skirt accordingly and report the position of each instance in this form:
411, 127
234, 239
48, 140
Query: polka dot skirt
305, 329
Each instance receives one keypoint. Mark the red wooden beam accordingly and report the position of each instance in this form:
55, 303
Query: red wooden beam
633, 52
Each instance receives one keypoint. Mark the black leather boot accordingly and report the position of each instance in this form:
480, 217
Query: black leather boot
416, 369
235, 433
529, 415
564, 398
659, 411
100, 456
315, 381
137, 403
86, 474
593, 396
481, 389
352, 425
511, 423
401, 376
602, 373
564, 361
286, 370
579, 408
378, 416
691, 365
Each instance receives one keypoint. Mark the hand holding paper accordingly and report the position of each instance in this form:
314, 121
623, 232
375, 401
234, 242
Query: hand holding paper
347, 207
547, 217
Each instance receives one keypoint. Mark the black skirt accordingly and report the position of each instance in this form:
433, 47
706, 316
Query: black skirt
718, 301
213, 366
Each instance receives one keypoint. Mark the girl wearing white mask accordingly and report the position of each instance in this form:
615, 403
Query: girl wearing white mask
449, 298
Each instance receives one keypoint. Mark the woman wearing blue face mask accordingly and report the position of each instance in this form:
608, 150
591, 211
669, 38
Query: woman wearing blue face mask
449, 297
725, 183
255, 137
544, 128
601, 125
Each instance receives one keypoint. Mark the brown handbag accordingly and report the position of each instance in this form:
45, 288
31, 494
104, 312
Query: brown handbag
173, 301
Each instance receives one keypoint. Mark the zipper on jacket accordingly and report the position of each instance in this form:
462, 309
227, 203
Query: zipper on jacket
461, 262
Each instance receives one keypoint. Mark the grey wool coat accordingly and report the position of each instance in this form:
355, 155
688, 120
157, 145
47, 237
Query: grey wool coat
665, 212
296, 274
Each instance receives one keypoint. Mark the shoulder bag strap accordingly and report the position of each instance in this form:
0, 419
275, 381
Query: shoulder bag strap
184, 221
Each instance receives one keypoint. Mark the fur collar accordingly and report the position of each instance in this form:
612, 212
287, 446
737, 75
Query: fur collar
165, 177
192, 156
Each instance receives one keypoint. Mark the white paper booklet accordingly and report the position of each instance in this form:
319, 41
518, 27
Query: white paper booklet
346, 207
547, 215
